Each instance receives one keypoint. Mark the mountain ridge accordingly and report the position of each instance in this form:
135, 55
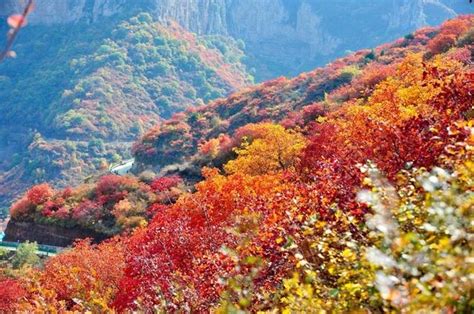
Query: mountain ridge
314, 27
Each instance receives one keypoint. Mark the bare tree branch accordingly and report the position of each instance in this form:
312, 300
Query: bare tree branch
14, 32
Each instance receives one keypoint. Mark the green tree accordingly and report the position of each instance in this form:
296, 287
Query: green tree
25, 255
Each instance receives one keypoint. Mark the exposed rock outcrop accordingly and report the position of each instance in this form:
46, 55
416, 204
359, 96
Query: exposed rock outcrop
284, 37
20, 231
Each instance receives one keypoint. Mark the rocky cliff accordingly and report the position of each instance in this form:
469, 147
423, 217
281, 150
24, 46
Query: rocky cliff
20, 231
283, 37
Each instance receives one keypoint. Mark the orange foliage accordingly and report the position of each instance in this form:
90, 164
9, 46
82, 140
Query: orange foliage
414, 113
89, 273
201, 220
441, 43
101, 207
456, 27
39, 194
21, 208
449, 33
214, 147
402, 120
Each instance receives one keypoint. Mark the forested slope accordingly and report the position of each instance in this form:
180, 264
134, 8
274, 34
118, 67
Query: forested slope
360, 199
72, 104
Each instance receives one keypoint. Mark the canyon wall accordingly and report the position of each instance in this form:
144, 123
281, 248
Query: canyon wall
283, 37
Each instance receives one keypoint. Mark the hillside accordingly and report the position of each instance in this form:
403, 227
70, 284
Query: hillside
197, 137
348, 188
84, 90
71, 105
282, 37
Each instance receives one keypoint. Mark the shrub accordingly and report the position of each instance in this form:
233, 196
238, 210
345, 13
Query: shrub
39, 194
441, 43
21, 208
25, 255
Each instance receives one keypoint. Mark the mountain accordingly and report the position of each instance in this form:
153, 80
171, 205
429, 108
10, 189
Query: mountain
291, 102
347, 188
85, 96
210, 135
72, 104
283, 37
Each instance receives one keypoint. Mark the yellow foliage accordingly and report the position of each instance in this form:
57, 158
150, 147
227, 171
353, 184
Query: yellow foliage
275, 149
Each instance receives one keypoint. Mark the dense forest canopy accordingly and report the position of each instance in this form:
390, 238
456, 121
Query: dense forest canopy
91, 76
347, 188
75, 105
148, 172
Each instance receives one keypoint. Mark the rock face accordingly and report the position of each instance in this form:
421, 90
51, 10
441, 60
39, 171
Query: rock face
20, 231
283, 37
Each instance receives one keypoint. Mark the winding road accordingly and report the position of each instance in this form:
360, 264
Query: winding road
123, 168
44, 250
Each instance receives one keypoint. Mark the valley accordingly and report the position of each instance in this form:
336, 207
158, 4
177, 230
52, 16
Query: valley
101, 102
237, 156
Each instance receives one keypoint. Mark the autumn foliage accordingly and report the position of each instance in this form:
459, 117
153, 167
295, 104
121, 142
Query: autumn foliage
94, 277
37, 195
113, 205
361, 202
10, 292
81, 279
265, 148
402, 119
